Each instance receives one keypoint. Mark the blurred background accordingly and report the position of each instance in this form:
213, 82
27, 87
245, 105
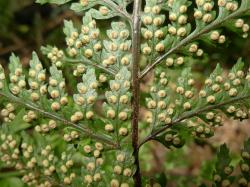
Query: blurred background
25, 26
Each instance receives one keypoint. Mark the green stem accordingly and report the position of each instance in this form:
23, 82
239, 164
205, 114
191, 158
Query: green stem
88, 132
90, 63
10, 174
191, 114
120, 10
194, 35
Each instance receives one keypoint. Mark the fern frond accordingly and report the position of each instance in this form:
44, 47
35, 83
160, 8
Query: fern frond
35, 99
117, 108
226, 12
220, 95
63, 124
